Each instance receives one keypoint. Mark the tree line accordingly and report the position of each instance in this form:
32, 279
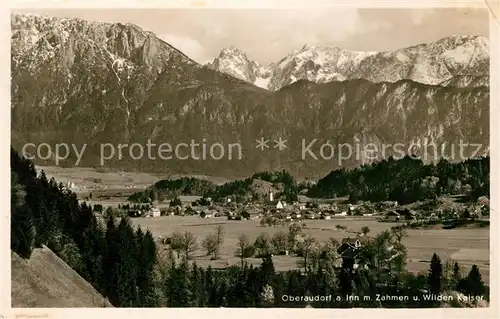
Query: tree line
407, 180
239, 189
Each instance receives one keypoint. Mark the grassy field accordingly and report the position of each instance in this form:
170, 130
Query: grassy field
466, 245
87, 178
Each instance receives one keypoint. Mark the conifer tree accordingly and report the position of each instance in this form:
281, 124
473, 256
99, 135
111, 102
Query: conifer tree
110, 261
456, 276
178, 286
267, 270
435, 274
127, 265
146, 260
473, 283
22, 231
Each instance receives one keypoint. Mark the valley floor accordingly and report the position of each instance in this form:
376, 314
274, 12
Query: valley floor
467, 246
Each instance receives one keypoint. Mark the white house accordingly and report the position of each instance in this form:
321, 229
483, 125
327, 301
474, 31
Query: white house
271, 196
154, 212
353, 207
280, 205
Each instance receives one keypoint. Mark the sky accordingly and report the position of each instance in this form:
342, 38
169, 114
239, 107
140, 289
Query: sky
268, 35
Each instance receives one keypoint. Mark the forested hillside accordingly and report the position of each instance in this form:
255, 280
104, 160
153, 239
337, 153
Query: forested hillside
115, 259
407, 180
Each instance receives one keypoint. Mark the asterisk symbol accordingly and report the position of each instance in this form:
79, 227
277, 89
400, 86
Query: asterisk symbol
262, 144
280, 144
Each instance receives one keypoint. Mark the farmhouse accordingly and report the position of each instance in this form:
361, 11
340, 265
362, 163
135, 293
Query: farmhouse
349, 243
407, 214
349, 251
392, 216
154, 212
353, 208
280, 205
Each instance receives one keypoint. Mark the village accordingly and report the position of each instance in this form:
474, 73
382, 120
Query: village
275, 212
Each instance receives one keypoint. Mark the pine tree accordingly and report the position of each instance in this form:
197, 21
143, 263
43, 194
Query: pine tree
110, 261
195, 286
142, 270
178, 291
267, 270
22, 231
253, 287
128, 289
473, 283
210, 287
92, 251
147, 260
435, 274
456, 276
345, 278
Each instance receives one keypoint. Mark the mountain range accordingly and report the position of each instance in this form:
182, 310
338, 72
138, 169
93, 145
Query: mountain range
84, 82
456, 60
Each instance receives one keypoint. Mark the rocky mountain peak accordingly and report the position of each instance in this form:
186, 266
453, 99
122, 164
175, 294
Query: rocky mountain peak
235, 62
60, 37
459, 60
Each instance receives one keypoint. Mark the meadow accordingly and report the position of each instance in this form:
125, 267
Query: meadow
467, 246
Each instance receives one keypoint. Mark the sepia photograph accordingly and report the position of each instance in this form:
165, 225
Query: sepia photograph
316, 157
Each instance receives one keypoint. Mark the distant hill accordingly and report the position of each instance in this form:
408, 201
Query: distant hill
45, 281
258, 187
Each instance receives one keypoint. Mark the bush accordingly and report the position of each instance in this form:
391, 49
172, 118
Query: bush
249, 251
176, 202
